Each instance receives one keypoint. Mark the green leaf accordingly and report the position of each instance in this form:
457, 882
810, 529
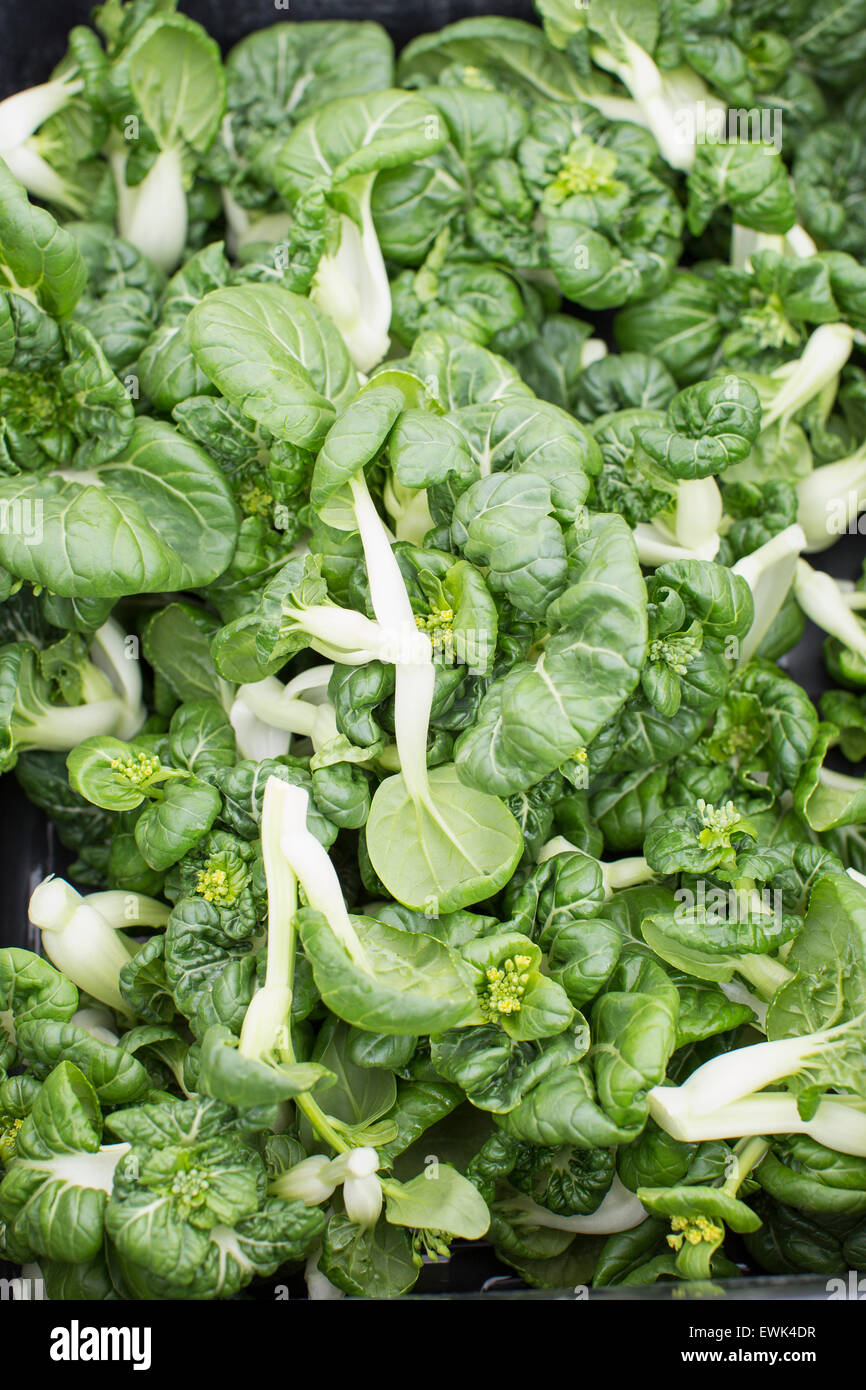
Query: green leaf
711, 1202
116, 1076
36, 255
169, 373
243, 1082
515, 56
356, 438
829, 961
439, 1199
539, 715
679, 326
618, 241
174, 70
201, 738
566, 1181
542, 1007
625, 1253
582, 955
114, 774
167, 829
419, 1105
826, 800
751, 179
279, 74
413, 983
634, 1035
177, 644
197, 952
54, 1194
495, 1071
738, 934
276, 357
563, 1109
359, 1096
356, 136
808, 1191
709, 427
159, 517
30, 989
373, 1263
504, 522
458, 847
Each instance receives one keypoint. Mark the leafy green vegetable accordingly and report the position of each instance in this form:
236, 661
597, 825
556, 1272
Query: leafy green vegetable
406, 474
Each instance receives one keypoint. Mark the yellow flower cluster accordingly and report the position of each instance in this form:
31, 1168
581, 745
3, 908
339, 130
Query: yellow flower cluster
505, 988
189, 1189
213, 885
255, 501
693, 1230
9, 1128
137, 769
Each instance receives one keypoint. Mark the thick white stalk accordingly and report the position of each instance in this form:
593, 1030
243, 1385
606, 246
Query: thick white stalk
557, 845
592, 350
79, 941
99, 1023
266, 713
745, 243
39, 178
823, 358
243, 227
413, 701
265, 1029
764, 973
318, 1286
153, 214
769, 572
799, 243
312, 682
412, 653
735, 1074
698, 515
620, 1211
617, 108
312, 866
68, 725
821, 600
835, 1124
619, 873
352, 288
267, 700
388, 593
121, 909
639, 73
656, 545
831, 498
94, 1171
625, 873
342, 629
113, 653
23, 113
280, 879
255, 738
